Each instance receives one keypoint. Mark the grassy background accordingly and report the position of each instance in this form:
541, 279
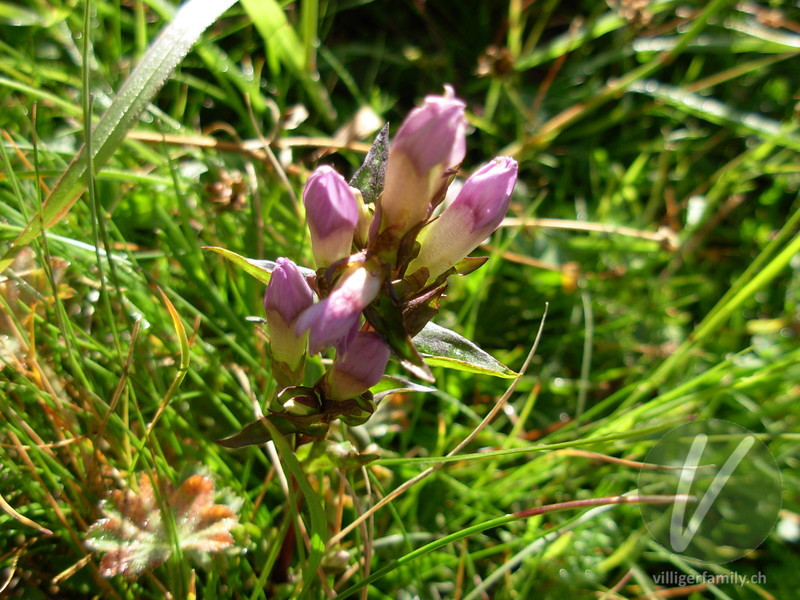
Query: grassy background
677, 122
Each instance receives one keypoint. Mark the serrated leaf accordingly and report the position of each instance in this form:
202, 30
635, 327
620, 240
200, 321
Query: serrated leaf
168, 50
260, 269
442, 347
370, 175
134, 535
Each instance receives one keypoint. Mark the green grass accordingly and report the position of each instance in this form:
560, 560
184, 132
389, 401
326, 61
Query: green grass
684, 120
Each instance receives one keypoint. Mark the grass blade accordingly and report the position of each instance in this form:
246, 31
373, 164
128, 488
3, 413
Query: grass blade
318, 520
282, 40
146, 80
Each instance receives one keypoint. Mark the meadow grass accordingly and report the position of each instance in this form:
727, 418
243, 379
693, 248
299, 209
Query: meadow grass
656, 217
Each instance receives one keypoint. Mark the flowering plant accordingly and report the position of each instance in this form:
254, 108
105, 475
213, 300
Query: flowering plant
383, 258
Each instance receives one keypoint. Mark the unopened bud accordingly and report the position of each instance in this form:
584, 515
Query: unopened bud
333, 214
358, 369
287, 296
476, 212
334, 320
429, 141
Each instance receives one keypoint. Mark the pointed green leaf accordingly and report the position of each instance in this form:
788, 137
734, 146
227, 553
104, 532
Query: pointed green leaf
469, 264
171, 46
390, 384
442, 347
258, 432
260, 269
371, 174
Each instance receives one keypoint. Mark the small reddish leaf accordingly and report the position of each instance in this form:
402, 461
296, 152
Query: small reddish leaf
133, 536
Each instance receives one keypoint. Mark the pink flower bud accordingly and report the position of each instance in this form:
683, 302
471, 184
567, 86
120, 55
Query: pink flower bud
475, 213
287, 296
429, 141
334, 320
332, 212
358, 369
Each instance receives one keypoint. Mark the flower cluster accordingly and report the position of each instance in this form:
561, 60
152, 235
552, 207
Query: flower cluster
382, 262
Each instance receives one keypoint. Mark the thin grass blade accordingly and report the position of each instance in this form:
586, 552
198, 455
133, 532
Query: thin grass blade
318, 520
164, 55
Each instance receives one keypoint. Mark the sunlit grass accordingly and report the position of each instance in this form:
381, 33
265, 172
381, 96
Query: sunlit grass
656, 216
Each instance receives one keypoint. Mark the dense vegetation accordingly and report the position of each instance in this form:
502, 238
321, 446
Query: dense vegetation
656, 217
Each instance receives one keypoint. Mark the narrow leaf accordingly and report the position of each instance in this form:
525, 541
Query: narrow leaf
283, 43
390, 384
180, 331
370, 175
719, 113
260, 269
445, 348
9, 510
258, 432
171, 46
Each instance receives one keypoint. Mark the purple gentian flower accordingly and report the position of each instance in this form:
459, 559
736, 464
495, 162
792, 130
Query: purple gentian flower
332, 211
358, 369
476, 212
335, 320
431, 140
287, 296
